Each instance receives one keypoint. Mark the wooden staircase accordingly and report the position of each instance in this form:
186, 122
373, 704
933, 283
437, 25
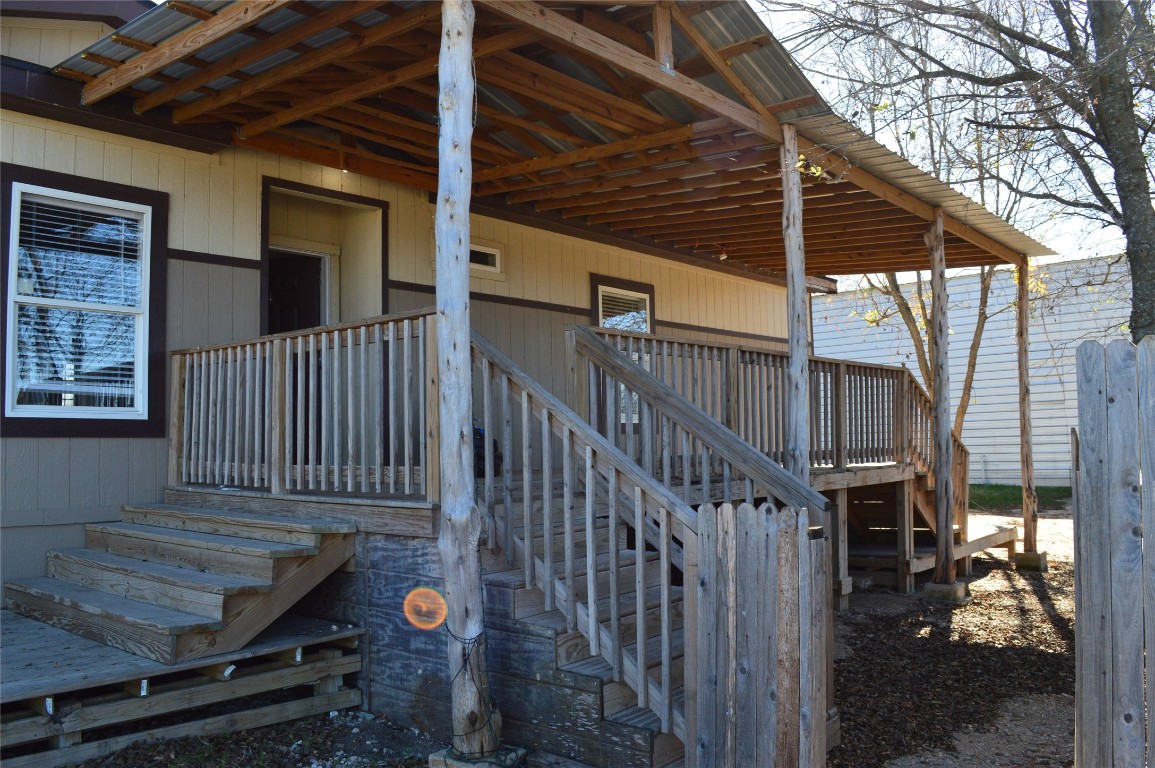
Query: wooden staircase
175, 583
604, 723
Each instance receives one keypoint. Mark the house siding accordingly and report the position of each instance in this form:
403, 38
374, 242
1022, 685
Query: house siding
47, 42
1070, 302
52, 486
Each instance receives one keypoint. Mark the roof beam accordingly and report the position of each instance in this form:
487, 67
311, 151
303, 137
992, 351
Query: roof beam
422, 14
234, 18
573, 35
720, 65
333, 17
892, 194
627, 146
383, 82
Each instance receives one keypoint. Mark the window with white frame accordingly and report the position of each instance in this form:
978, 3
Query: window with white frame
77, 306
623, 310
484, 258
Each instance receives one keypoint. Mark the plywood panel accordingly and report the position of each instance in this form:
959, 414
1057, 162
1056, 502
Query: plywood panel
19, 496
145, 169
60, 152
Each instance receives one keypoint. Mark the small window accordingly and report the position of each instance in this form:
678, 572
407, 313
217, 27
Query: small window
77, 309
484, 258
624, 310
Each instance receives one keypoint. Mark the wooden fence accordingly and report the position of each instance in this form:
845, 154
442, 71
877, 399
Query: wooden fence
343, 408
760, 611
1114, 571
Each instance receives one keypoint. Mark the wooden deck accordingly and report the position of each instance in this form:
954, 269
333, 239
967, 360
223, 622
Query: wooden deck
67, 699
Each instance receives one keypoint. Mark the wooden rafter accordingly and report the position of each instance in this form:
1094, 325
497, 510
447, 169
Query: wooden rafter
333, 17
232, 19
551, 87
383, 82
419, 16
892, 194
719, 64
560, 195
688, 151
625, 147
573, 35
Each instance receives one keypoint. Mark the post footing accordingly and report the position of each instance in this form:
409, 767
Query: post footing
506, 757
1031, 561
948, 593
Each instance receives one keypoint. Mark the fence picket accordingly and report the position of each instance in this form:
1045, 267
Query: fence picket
1114, 588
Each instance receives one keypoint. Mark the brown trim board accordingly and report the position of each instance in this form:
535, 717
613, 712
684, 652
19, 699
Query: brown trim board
213, 258
156, 356
269, 184
34, 91
551, 222
511, 301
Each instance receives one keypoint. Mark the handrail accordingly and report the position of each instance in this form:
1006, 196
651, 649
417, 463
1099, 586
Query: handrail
860, 412
392, 317
567, 417
630, 498
339, 409
730, 448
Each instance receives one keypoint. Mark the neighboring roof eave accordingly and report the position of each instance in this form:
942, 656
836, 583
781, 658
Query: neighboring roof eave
114, 13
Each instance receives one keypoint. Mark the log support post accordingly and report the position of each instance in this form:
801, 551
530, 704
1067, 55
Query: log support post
944, 567
476, 724
797, 372
1030, 558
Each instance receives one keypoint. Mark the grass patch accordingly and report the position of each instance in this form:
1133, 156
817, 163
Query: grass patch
1008, 497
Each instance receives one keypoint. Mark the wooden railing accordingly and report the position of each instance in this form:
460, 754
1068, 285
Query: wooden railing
670, 436
558, 526
571, 508
860, 414
337, 409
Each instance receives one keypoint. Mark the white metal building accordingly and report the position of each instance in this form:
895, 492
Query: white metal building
1071, 302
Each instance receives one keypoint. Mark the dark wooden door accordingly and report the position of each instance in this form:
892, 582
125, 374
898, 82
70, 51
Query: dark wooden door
295, 291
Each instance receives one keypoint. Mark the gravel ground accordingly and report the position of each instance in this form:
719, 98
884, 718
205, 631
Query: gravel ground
918, 683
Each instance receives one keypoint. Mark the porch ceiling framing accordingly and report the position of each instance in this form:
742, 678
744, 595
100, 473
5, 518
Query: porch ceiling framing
581, 115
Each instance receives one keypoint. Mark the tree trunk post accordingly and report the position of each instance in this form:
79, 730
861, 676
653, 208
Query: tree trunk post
476, 726
1030, 558
944, 567
797, 371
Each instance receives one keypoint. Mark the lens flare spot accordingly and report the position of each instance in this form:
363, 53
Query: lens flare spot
425, 608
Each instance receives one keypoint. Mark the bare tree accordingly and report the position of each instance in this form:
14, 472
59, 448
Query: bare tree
1040, 101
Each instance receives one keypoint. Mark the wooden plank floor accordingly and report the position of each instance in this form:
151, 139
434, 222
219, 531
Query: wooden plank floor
40, 660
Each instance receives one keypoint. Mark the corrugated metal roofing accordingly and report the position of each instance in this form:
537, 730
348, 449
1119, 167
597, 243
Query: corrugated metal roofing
766, 69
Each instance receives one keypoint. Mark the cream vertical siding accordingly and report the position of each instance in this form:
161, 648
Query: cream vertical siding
215, 209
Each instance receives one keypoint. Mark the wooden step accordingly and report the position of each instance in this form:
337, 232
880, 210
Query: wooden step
189, 549
146, 630
170, 586
284, 530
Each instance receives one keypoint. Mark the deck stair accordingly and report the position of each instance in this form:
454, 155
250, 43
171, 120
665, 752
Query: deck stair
176, 583
600, 721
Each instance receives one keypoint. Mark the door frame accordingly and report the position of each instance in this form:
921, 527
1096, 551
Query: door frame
330, 274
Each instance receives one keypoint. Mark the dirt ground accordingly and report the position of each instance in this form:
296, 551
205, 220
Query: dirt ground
918, 683
990, 683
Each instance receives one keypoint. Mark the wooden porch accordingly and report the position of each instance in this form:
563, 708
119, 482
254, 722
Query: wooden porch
67, 699
351, 414
593, 510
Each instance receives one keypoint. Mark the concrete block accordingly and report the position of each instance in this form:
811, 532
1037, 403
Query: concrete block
955, 593
507, 757
1031, 561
